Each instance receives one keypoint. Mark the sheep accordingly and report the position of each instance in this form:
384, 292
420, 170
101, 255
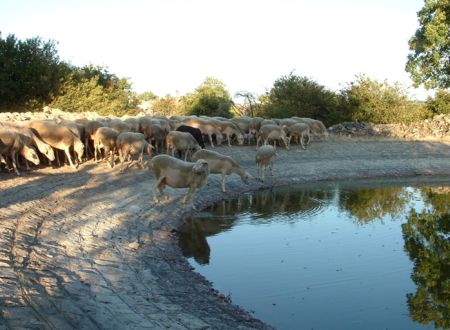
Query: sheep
272, 132
181, 141
228, 128
265, 156
317, 128
31, 138
105, 137
207, 127
119, 125
221, 164
195, 132
59, 137
90, 128
177, 173
128, 144
12, 144
301, 132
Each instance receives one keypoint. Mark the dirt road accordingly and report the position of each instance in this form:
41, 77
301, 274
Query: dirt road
87, 249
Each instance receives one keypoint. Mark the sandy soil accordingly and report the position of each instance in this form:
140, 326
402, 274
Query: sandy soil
87, 248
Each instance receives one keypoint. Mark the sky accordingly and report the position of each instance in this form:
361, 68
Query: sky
171, 46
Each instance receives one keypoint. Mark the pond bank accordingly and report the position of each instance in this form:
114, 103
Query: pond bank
88, 249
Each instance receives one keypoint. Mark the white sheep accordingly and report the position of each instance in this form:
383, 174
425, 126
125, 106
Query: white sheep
265, 156
177, 173
221, 164
12, 144
105, 138
300, 132
181, 141
128, 144
274, 133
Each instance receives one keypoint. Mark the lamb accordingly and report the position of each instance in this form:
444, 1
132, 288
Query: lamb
301, 132
272, 133
105, 137
265, 156
177, 173
128, 144
12, 143
181, 141
59, 137
221, 164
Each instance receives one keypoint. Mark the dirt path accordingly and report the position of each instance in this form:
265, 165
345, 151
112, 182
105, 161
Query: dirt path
87, 249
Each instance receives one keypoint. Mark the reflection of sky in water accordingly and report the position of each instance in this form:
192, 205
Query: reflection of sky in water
319, 269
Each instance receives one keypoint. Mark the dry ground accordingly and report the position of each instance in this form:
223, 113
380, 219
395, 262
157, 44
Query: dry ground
87, 249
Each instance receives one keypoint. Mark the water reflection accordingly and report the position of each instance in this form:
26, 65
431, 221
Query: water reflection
425, 230
427, 242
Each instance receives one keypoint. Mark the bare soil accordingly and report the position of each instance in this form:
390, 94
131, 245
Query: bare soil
88, 249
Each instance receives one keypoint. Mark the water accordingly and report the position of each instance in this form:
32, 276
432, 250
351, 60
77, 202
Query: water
332, 256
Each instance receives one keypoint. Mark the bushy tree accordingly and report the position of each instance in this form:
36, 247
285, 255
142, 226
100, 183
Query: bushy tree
380, 102
30, 72
292, 95
211, 98
147, 96
429, 60
440, 103
167, 106
95, 89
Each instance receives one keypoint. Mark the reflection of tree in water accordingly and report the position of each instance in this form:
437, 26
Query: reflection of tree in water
371, 204
427, 241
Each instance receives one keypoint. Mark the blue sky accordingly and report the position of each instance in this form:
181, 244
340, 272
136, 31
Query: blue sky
172, 46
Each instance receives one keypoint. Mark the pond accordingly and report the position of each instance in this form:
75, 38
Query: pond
372, 255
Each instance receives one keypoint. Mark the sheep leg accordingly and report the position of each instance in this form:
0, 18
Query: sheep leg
67, 153
190, 194
229, 142
223, 182
210, 140
160, 185
13, 157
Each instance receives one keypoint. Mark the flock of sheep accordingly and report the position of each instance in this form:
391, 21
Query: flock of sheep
170, 138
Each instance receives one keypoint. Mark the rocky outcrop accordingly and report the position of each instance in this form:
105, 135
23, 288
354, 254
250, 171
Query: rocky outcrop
436, 128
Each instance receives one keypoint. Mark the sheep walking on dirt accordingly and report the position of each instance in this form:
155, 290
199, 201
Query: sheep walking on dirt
301, 133
129, 144
105, 138
221, 164
265, 156
177, 173
12, 144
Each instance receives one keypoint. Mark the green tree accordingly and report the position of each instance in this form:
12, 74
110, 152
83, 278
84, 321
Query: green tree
440, 103
147, 96
380, 102
95, 89
292, 95
30, 72
211, 98
367, 205
167, 106
429, 59
427, 243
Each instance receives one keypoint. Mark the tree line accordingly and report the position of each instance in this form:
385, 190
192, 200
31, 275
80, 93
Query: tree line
32, 75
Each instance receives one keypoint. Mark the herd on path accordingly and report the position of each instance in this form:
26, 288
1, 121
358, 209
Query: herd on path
116, 140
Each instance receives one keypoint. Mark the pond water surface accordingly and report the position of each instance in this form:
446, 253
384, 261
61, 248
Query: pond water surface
331, 256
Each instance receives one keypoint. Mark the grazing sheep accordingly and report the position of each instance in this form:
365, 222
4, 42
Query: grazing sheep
129, 144
181, 141
229, 129
207, 127
272, 133
195, 132
265, 156
105, 138
59, 137
300, 132
177, 173
119, 125
12, 144
90, 128
221, 164
317, 128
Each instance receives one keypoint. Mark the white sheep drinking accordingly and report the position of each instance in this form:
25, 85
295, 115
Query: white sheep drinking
177, 173
265, 156
221, 164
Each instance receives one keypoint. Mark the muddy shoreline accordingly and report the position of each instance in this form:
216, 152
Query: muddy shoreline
88, 249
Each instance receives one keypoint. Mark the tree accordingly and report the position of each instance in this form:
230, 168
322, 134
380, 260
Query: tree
147, 96
30, 72
429, 59
209, 99
292, 95
380, 102
166, 106
251, 105
440, 103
